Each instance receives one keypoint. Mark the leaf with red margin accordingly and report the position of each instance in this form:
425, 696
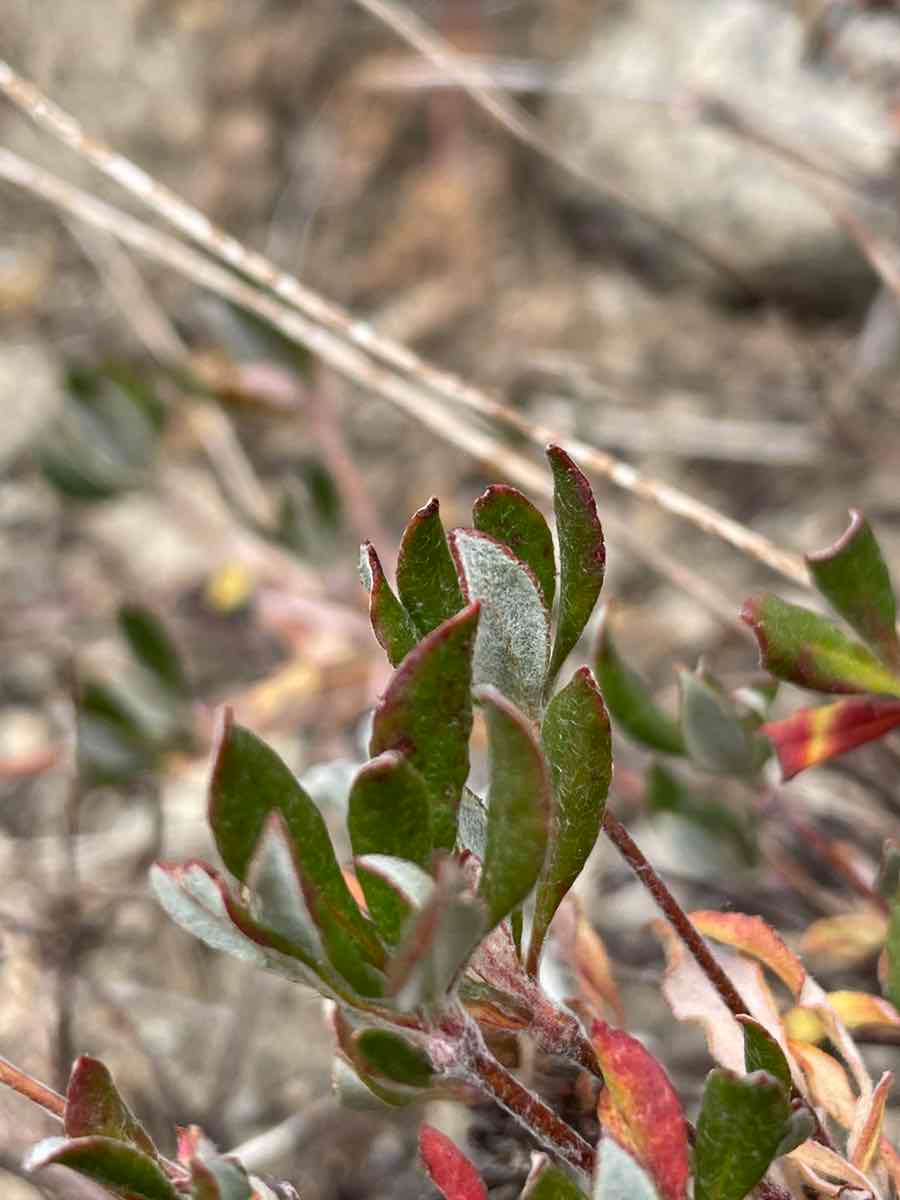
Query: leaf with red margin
863, 1143
641, 1109
853, 576
94, 1107
804, 648
426, 714
450, 1171
391, 623
511, 518
426, 576
751, 935
815, 735
123, 1169
582, 554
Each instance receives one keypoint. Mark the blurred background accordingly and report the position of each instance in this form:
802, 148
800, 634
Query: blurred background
663, 271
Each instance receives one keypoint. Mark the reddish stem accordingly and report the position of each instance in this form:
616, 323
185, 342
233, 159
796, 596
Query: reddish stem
692, 939
50, 1101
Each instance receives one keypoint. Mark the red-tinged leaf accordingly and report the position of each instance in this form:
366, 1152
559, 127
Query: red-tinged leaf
513, 642
815, 735
126, 1171
426, 714
855, 1010
692, 997
865, 1136
585, 953
641, 1109
518, 808
576, 742
847, 939
752, 936
853, 577
810, 651
451, 1172
249, 782
391, 623
426, 576
582, 554
629, 699
511, 518
94, 1106
827, 1084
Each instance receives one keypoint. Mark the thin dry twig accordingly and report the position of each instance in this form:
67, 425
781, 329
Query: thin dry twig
520, 125
350, 338
353, 364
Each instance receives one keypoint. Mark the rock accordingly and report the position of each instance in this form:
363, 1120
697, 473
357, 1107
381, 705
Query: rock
618, 113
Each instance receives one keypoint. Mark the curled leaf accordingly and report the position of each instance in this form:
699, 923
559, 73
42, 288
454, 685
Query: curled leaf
752, 936
853, 577
803, 648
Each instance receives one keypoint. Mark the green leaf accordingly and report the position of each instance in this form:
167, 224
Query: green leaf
472, 824
426, 714
518, 808
552, 1184
853, 577
437, 943
742, 1122
125, 1170
389, 813
392, 1057
510, 518
618, 1176
105, 437
888, 882
391, 623
582, 554
576, 742
113, 746
426, 577
360, 1094
94, 1106
154, 649
763, 1053
514, 631
629, 700
714, 735
810, 651
892, 956
249, 781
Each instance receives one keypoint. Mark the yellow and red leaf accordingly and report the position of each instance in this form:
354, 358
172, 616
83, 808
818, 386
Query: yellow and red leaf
815, 735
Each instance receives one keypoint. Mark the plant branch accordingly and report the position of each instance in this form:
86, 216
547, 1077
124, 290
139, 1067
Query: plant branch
32, 1089
328, 319
340, 354
674, 914
689, 935
517, 122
